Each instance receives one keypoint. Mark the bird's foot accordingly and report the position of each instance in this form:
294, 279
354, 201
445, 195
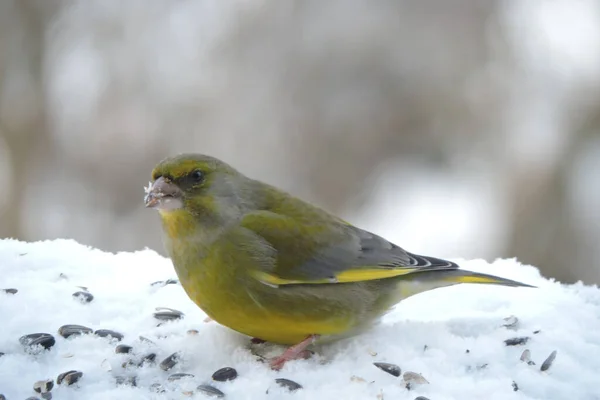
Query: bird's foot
295, 352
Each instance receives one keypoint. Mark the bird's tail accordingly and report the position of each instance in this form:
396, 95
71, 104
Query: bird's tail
455, 276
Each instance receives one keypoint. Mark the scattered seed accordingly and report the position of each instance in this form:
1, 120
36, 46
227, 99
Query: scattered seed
108, 333
210, 391
481, 366
288, 384
165, 283
167, 314
45, 340
207, 319
169, 362
548, 362
425, 348
178, 376
355, 378
145, 339
192, 332
123, 349
69, 377
84, 297
157, 388
515, 386
526, 355
421, 398
536, 332
225, 374
43, 386
2, 397
412, 378
467, 351
511, 322
391, 369
187, 393
47, 396
516, 341
63, 276
126, 380
10, 291
71, 330
32, 398
147, 359
372, 353
1, 354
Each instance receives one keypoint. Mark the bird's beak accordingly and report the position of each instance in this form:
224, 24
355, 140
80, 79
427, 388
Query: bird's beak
163, 195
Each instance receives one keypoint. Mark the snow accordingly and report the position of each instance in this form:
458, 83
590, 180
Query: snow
447, 321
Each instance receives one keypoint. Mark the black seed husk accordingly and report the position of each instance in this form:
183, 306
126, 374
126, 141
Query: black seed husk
46, 396
123, 349
45, 340
421, 398
288, 384
210, 391
108, 333
515, 386
69, 377
391, 369
225, 374
84, 297
73, 330
168, 314
43, 386
178, 376
548, 362
169, 362
32, 398
126, 380
516, 341
10, 291
147, 359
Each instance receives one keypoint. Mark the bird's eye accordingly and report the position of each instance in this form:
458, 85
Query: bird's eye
197, 175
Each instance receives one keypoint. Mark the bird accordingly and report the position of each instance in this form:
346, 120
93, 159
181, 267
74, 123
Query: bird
279, 269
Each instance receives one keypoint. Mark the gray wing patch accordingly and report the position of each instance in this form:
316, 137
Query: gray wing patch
363, 249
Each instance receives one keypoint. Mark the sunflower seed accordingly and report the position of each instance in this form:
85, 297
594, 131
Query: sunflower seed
225, 374
169, 362
412, 378
548, 362
391, 369
157, 388
71, 330
84, 297
123, 349
525, 355
210, 391
421, 398
515, 386
45, 340
10, 291
511, 322
147, 359
126, 380
178, 376
516, 341
167, 314
69, 377
32, 398
165, 283
43, 386
110, 334
192, 332
288, 384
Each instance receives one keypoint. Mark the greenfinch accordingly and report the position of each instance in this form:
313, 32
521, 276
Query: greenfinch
274, 267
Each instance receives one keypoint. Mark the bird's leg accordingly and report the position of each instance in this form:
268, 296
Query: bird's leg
294, 352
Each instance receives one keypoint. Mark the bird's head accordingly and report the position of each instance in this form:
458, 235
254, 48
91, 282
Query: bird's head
197, 185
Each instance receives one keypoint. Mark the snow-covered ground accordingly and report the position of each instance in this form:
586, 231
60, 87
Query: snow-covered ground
453, 337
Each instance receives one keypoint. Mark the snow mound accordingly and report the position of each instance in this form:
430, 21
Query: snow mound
454, 337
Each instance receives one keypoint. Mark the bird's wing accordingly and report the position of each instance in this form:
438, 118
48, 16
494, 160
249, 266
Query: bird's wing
325, 253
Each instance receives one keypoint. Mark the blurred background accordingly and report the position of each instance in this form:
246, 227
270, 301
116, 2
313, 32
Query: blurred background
456, 128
